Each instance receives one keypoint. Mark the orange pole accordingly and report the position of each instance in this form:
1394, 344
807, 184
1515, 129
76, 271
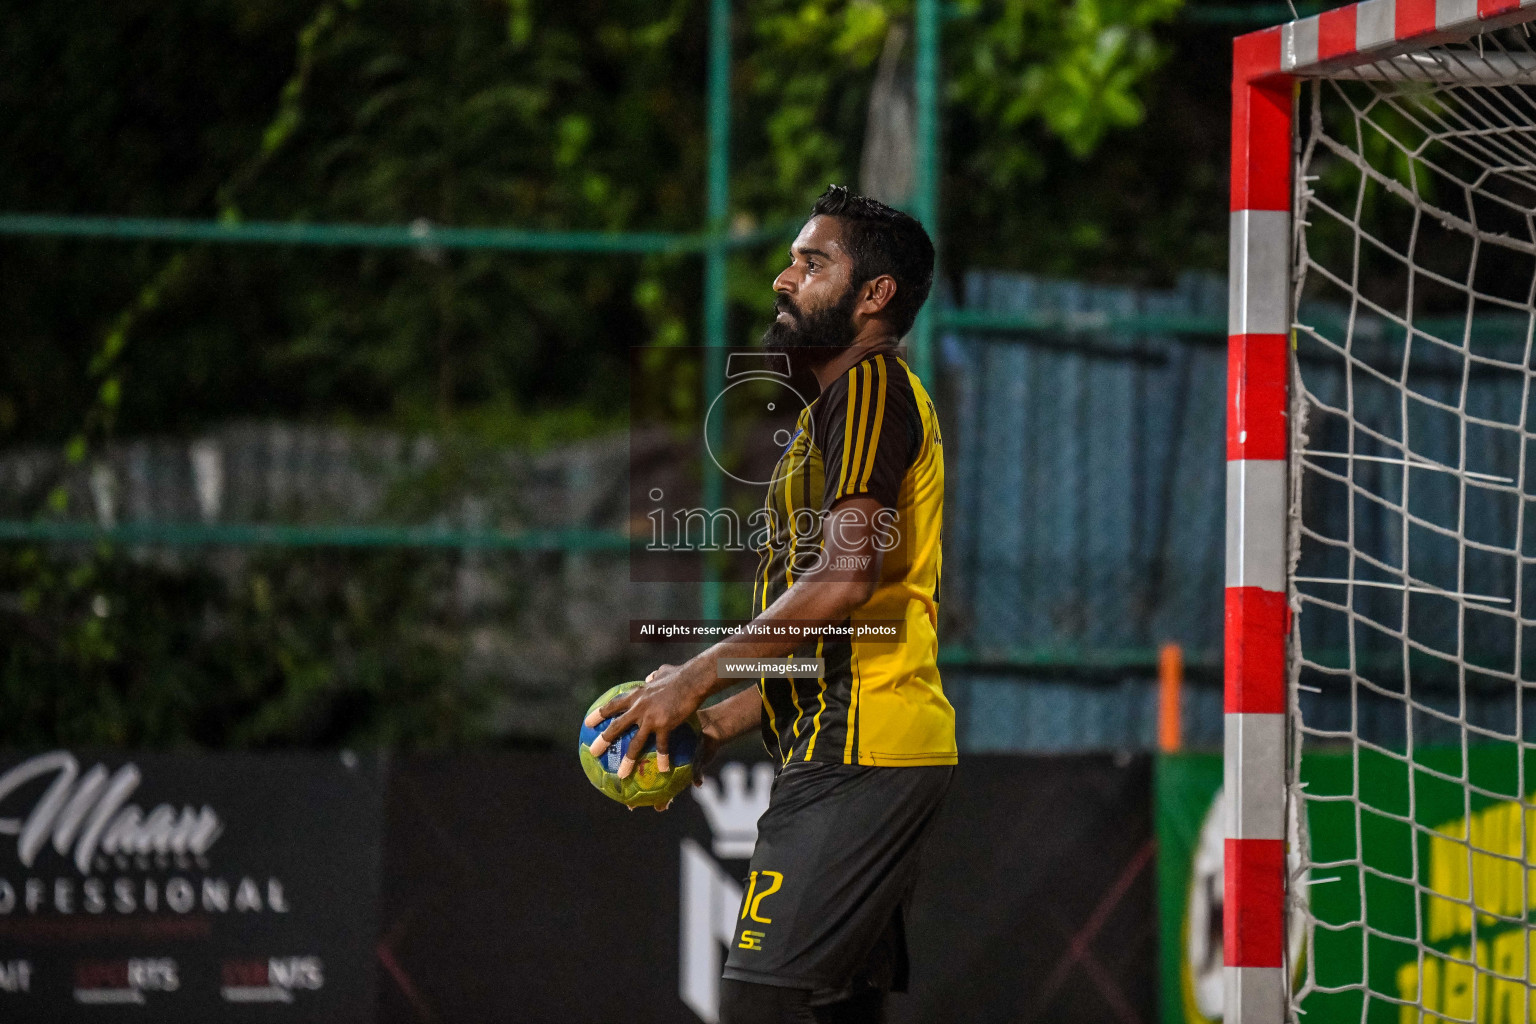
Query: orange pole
1170, 686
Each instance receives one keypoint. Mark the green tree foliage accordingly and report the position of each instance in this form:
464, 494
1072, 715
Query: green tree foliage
584, 114
581, 115
320, 649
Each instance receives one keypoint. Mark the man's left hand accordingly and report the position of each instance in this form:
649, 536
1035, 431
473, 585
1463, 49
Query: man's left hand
655, 709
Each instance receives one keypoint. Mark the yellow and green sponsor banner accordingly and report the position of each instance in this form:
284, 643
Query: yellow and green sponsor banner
1422, 896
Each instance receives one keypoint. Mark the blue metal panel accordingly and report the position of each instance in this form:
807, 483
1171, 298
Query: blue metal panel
1087, 479
1085, 518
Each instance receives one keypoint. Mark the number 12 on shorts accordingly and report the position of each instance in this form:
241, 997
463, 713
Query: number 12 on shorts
752, 905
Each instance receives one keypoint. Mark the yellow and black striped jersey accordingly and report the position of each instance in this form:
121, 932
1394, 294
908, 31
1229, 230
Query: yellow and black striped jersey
872, 433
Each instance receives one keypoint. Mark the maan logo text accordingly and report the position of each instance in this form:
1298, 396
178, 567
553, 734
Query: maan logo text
90, 814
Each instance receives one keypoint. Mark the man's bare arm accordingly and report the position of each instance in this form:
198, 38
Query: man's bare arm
824, 597
735, 716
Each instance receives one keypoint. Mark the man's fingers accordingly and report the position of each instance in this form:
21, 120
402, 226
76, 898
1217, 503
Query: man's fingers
663, 755
662, 807
609, 736
636, 746
617, 706
702, 758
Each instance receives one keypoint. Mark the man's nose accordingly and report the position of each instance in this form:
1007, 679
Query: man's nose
785, 281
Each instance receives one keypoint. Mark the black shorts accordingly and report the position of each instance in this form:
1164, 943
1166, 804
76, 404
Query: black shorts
835, 862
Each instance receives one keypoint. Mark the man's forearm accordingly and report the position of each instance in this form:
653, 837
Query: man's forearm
735, 716
821, 598
808, 601
805, 602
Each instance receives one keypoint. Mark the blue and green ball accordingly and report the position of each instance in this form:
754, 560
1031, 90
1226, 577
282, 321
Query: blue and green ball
647, 785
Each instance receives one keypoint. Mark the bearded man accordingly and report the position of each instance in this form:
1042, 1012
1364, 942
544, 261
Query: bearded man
864, 743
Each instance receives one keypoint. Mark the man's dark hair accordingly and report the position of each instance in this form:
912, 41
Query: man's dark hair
882, 240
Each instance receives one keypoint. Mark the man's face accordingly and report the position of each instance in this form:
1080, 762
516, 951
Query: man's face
816, 293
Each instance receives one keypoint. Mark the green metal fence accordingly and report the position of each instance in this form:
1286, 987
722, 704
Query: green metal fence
714, 242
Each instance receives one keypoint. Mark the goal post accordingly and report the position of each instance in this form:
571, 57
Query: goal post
1258, 328
1381, 300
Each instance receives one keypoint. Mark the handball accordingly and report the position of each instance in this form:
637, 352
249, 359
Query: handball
646, 786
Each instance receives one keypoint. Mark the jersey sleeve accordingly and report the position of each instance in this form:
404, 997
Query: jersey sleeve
869, 431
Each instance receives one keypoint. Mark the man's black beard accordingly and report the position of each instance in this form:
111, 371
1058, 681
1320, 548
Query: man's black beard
815, 337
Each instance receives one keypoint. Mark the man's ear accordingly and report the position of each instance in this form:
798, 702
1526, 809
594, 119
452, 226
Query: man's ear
877, 294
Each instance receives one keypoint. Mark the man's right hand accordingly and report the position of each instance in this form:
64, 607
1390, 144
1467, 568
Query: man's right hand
709, 744
721, 723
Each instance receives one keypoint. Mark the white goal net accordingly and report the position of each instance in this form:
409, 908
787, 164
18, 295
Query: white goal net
1411, 657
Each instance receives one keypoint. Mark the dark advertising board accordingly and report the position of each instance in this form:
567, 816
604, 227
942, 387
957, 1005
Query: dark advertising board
501, 886
514, 891
186, 887
1038, 901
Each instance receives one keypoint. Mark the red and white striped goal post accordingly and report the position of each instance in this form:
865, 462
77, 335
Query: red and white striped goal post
1266, 66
